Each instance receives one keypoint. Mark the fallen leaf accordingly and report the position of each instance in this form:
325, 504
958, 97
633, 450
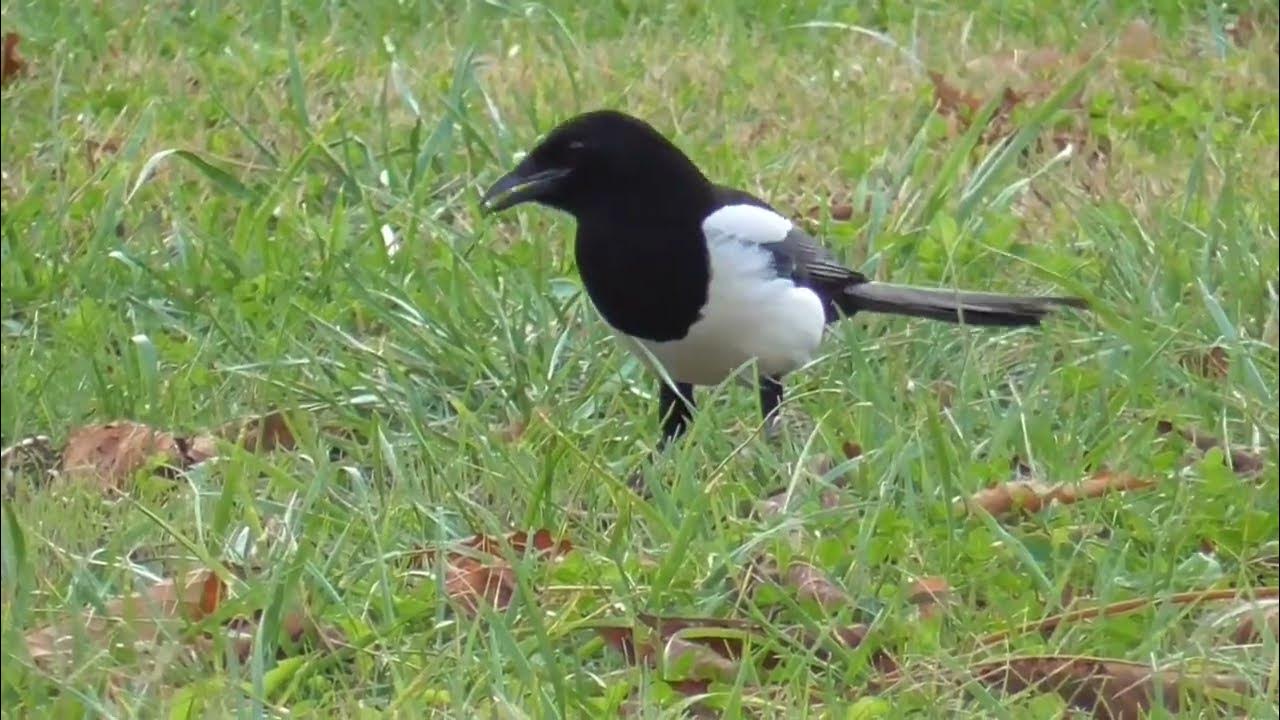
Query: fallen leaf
95, 151
480, 544
472, 585
542, 541
11, 63
1261, 621
731, 644
841, 212
476, 572
1248, 622
1243, 462
1034, 495
110, 454
1243, 30
259, 434
1048, 625
1138, 41
930, 595
622, 639
945, 392
512, 431
811, 584
1110, 689
683, 661
144, 616
951, 100
1211, 363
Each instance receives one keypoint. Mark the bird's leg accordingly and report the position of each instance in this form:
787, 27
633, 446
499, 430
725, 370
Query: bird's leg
770, 403
675, 406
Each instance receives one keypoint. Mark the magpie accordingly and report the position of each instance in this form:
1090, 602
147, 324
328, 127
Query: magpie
703, 278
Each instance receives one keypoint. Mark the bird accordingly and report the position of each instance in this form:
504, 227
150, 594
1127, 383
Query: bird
703, 279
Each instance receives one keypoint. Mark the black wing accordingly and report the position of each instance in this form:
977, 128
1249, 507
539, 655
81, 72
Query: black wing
801, 257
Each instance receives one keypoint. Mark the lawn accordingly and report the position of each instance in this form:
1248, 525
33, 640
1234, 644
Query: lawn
254, 232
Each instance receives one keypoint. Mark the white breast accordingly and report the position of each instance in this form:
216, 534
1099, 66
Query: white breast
750, 313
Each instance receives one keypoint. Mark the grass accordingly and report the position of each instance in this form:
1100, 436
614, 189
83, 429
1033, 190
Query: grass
252, 272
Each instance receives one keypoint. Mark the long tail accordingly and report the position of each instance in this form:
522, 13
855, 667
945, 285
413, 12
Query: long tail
971, 308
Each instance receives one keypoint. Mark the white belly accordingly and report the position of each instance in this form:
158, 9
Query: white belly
750, 314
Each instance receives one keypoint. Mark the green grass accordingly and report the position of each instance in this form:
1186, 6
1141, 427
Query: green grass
251, 273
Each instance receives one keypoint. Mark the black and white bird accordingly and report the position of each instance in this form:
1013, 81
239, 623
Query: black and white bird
703, 278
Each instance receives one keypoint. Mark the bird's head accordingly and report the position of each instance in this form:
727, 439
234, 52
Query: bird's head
605, 161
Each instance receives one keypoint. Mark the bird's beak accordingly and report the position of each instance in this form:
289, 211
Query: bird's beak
519, 186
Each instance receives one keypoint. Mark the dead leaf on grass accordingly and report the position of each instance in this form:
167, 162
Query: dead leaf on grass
11, 63
95, 151
1249, 622
110, 454
727, 638
1243, 29
1110, 689
1212, 363
812, 585
1034, 495
472, 585
930, 595
1199, 597
143, 616
259, 434
1138, 41
684, 661
1243, 462
476, 572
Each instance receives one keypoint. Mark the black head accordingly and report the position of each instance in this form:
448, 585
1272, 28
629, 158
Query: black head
601, 161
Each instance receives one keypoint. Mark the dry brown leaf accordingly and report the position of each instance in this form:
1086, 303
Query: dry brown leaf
1243, 30
731, 646
1243, 462
622, 639
1034, 495
951, 100
811, 584
144, 616
260, 434
1257, 621
512, 431
683, 661
1110, 689
945, 392
477, 545
476, 572
930, 595
1124, 607
1138, 41
842, 212
542, 541
472, 585
11, 63
110, 454
95, 151
1212, 363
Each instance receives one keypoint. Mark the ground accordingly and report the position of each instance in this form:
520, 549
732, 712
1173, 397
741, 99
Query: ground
214, 211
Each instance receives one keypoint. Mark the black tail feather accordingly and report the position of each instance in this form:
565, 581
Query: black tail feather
970, 308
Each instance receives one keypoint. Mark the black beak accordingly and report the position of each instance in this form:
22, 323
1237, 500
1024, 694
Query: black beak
518, 187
